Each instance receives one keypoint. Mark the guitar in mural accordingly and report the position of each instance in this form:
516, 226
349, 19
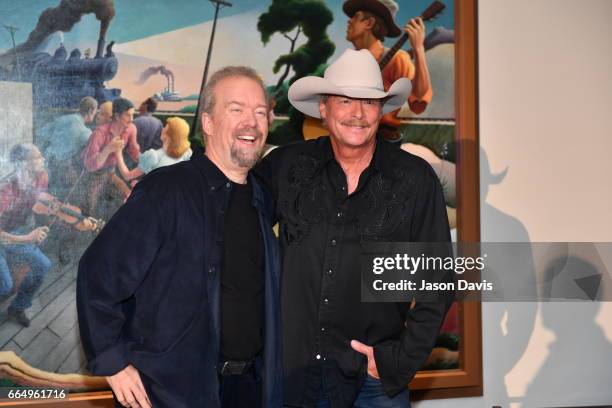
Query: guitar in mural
313, 128
429, 14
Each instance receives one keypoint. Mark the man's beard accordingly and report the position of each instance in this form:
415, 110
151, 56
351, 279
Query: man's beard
246, 158
243, 158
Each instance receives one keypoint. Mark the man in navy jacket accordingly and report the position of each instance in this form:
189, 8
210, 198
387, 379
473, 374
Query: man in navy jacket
171, 309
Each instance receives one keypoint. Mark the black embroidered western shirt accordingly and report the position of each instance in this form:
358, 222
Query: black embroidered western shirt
322, 229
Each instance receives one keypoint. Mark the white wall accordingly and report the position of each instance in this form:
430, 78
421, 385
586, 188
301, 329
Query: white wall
545, 114
16, 114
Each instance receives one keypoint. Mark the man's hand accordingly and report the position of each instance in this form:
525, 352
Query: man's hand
115, 145
128, 388
369, 353
416, 33
38, 235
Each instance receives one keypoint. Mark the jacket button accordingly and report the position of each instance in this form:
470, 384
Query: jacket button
329, 272
333, 242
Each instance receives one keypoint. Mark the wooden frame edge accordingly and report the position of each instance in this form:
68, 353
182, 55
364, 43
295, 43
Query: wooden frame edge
466, 381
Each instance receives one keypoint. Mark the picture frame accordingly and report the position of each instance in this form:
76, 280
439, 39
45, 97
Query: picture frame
466, 381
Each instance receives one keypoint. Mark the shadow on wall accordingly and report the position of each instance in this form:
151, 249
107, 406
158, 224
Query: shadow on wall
512, 322
578, 350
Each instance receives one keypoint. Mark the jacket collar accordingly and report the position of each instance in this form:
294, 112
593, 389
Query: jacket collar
209, 170
217, 179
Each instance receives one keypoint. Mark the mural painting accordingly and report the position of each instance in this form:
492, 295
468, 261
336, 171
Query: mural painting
95, 94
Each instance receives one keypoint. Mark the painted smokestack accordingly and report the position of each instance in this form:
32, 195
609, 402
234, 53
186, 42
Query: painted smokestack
102, 38
63, 17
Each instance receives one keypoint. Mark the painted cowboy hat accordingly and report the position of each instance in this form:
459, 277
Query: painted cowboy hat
385, 9
355, 74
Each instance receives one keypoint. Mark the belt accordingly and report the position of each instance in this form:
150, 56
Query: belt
235, 367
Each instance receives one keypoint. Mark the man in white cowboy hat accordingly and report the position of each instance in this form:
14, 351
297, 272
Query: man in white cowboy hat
333, 194
370, 21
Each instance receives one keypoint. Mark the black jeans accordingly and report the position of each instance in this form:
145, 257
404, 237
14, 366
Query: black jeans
242, 391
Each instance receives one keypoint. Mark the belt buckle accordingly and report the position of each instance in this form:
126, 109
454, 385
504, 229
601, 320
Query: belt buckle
233, 367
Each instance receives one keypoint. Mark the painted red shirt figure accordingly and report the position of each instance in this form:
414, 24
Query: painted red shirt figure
101, 138
370, 21
108, 138
16, 200
19, 239
100, 160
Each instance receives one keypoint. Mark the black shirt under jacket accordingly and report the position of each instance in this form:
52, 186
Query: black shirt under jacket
322, 228
242, 278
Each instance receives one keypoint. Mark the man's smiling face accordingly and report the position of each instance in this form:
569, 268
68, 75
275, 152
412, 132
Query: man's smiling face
238, 125
351, 122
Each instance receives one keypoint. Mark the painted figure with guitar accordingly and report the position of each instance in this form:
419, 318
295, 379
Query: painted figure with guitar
23, 193
370, 21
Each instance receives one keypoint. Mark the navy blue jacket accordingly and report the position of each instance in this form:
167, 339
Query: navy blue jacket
148, 287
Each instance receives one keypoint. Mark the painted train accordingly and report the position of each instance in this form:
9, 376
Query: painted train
60, 81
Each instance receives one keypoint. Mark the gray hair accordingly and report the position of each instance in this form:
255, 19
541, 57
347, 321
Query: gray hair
87, 104
207, 99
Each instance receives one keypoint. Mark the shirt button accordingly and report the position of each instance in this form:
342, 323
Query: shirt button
326, 301
343, 188
318, 357
339, 215
329, 272
228, 185
333, 242
211, 269
322, 329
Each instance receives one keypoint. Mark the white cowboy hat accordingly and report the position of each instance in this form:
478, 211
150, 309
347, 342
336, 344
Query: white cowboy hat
355, 74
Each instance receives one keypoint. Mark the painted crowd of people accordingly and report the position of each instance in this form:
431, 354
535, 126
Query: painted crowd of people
77, 159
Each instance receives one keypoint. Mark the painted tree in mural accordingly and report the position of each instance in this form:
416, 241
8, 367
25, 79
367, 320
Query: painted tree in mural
310, 17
